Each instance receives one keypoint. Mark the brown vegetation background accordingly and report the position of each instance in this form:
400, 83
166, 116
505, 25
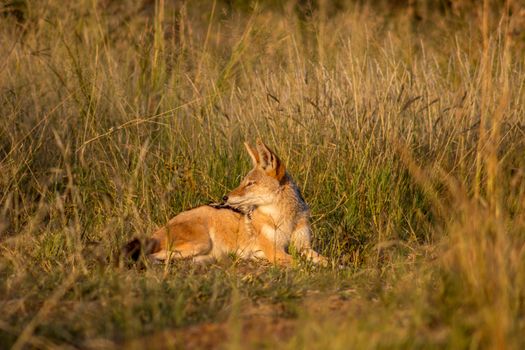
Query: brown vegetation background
401, 121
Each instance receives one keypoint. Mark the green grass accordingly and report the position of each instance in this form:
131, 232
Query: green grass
405, 135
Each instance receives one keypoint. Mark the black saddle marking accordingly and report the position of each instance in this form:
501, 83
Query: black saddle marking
226, 206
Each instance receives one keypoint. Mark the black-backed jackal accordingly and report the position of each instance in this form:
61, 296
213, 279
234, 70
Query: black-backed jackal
259, 219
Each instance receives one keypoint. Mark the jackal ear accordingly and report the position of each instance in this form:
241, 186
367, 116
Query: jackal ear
269, 161
254, 155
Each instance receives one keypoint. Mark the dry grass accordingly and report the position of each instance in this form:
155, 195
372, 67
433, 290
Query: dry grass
406, 135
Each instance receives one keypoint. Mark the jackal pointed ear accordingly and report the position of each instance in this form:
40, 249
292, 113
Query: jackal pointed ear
254, 155
269, 161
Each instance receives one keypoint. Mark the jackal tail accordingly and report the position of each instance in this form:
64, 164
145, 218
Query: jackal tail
132, 250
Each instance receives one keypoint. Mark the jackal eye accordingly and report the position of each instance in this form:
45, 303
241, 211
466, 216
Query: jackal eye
249, 183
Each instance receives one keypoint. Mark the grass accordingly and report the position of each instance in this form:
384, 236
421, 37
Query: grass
405, 134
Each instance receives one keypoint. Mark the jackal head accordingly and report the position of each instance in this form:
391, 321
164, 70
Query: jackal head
262, 184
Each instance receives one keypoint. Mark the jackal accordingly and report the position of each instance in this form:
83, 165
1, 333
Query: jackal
259, 219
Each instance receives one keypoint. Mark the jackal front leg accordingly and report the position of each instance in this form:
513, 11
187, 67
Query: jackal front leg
301, 238
274, 253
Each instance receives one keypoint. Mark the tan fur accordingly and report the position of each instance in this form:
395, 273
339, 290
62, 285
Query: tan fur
204, 231
276, 216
